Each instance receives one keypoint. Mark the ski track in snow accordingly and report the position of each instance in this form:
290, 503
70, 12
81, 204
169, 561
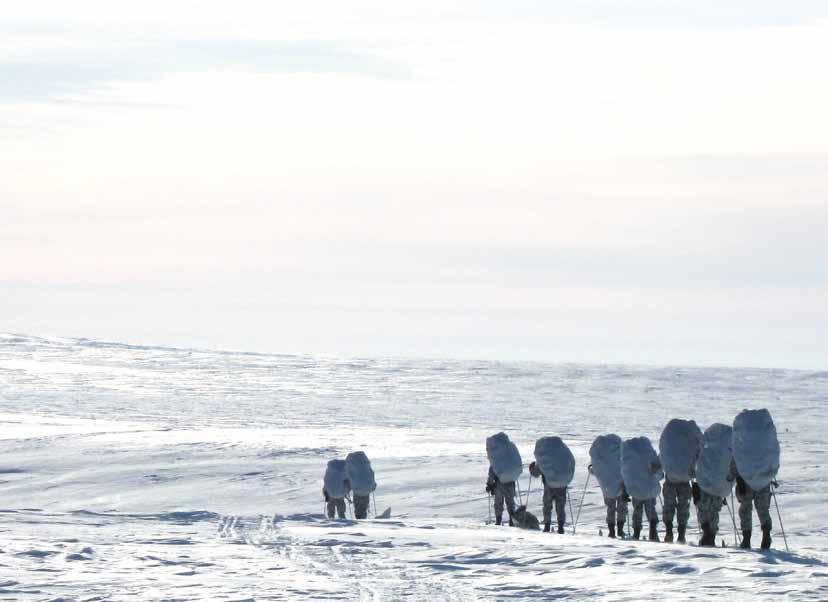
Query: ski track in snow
145, 473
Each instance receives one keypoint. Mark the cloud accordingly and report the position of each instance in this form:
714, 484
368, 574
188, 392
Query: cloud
52, 75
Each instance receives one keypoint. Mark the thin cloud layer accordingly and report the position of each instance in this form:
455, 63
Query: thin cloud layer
78, 71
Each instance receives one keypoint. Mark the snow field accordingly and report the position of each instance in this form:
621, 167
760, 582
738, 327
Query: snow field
150, 473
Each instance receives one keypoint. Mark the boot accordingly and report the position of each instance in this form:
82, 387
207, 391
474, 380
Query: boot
620, 531
546, 528
766, 538
560, 528
637, 532
653, 532
682, 530
668, 532
498, 520
610, 530
511, 522
745, 540
708, 539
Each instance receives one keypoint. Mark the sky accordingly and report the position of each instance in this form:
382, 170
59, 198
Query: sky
590, 181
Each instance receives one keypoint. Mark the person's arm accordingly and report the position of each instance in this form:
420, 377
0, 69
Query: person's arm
534, 470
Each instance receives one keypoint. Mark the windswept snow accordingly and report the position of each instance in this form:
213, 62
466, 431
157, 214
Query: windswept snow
164, 474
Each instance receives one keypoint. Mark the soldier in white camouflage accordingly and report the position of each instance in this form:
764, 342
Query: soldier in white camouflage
640, 506
616, 510
677, 497
709, 506
551, 495
502, 492
617, 513
748, 498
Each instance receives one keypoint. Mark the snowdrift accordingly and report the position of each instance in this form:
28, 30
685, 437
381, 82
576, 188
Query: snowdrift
756, 447
555, 461
679, 449
637, 455
360, 473
504, 457
713, 466
605, 456
335, 476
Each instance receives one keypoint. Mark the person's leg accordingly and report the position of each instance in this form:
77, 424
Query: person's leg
669, 492
509, 491
652, 518
762, 501
331, 506
340, 507
638, 511
498, 505
621, 511
560, 508
684, 493
610, 502
547, 508
745, 497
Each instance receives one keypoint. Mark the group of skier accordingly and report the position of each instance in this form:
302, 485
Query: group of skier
354, 475
702, 467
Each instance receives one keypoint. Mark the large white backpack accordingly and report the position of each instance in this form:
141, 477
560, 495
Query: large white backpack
756, 448
679, 449
636, 457
360, 473
335, 476
555, 461
713, 466
605, 456
504, 457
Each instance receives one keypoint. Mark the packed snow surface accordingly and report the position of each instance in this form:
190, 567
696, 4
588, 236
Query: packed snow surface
605, 457
713, 468
335, 477
504, 457
756, 447
679, 448
360, 473
143, 473
555, 461
639, 468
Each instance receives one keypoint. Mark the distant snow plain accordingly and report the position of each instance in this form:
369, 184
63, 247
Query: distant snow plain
149, 473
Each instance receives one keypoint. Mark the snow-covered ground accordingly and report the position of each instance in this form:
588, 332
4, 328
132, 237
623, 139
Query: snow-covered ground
146, 473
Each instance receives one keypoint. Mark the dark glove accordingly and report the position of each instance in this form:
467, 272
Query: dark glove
325, 493
696, 493
741, 486
775, 484
531, 466
490, 489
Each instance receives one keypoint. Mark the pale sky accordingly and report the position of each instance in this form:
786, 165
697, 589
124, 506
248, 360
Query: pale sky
590, 181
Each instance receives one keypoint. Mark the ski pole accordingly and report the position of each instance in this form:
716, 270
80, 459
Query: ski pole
569, 499
489, 522
779, 514
581, 505
733, 518
374, 498
520, 495
528, 491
